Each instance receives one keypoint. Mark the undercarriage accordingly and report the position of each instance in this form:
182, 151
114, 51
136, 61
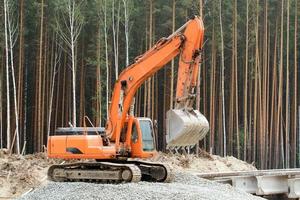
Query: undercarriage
111, 172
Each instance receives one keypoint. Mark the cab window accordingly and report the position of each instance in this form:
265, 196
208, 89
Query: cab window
147, 135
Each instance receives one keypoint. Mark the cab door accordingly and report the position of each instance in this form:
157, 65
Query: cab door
142, 142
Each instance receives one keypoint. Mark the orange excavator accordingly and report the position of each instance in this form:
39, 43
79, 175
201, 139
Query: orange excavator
119, 147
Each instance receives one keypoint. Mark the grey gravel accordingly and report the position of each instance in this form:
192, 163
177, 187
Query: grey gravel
185, 186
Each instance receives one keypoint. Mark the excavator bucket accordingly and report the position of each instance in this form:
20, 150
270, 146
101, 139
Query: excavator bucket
185, 128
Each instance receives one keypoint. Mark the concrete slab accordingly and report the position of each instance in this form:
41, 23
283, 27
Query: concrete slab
245, 183
275, 184
294, 188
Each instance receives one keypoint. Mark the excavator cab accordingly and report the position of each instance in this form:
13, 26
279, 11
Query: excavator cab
142, 137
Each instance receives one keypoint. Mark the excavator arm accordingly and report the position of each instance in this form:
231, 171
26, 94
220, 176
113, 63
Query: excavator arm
187, 44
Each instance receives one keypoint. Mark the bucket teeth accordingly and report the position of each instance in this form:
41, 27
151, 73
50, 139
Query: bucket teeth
185, 128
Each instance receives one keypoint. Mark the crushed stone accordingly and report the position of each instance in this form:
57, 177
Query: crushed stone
186, 186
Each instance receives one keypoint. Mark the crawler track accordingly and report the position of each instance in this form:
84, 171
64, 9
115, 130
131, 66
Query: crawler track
151, 171
103, 172
111, 172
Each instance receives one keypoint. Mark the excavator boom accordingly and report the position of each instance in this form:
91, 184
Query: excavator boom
185, 126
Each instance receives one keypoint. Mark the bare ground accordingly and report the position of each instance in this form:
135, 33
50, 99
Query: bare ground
19, 174
204, 162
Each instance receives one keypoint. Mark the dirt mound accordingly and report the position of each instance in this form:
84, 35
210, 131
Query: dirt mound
204, 162
20, 173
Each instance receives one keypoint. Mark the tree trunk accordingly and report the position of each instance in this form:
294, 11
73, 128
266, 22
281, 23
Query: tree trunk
21, 70
172, 62
287, 89
222, 79
8, 138
246, 83
264, 101
126, 30
115, 28
1, 104
98, 80
54, 68
212, 92
279, 108
236, 82
38, 88
82, 89
273, 123
294, 110
44, 81
256, 85
72, 35
11, 45
106, 58
150, 45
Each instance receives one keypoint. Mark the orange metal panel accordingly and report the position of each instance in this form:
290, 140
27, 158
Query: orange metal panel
90, 146
57, 144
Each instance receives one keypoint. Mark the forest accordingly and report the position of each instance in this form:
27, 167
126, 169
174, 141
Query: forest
60, 58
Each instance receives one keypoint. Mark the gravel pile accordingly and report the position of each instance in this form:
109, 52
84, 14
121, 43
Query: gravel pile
185, 186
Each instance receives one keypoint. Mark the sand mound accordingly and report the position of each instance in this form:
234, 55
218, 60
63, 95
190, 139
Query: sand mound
204, 162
